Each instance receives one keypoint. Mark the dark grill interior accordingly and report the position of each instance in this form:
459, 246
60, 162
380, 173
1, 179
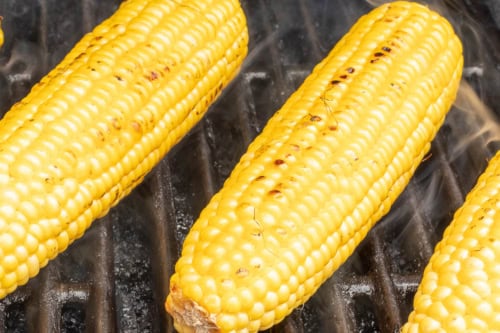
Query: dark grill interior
115, 278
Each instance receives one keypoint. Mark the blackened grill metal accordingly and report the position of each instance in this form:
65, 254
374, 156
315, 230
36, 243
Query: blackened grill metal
115, 278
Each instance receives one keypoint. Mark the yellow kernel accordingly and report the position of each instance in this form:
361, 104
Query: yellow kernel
301, 274
282, 310
73, 204
9, 280
300, 292
226, 322
37, 232
52, 207
82, 170
81, 223
7, 243
203, 263
8, 212
21, 169
482, 288
271, 301
9, 262
31, 243
18, 231
29, 210
257, 310
429, 324
9, 196
477, 324
42, 254
39, 202
231, 304
60, 195
311, 284
309, 266
438, 311
21, 253
467, 293
242, 319
212, 303
253, 326
454, 304
283, 293
246, 298
448, 279
441, 292
291, 261
456, 323
193, 291
33, 265
273, 279
484, 309
473, 263
62, 241
22, 274
268, 319
260, 288
487, 254
423, 301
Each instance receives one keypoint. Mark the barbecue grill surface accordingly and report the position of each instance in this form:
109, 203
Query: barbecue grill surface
115, 278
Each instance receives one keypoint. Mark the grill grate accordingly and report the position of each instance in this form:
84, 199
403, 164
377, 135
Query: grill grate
115, 278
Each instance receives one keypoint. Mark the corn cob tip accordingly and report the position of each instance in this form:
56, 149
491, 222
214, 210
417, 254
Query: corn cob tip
189, 317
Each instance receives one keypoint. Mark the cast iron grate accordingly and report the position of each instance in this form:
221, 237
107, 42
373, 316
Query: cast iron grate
115, 278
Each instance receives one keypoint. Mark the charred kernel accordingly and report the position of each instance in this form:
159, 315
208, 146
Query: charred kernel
259, 178
153, 76
136, 126
379, 54
242, 272
343, 76
386, 49
279, 162
315, 118
350, 70
274, 192
335, 82
373, 61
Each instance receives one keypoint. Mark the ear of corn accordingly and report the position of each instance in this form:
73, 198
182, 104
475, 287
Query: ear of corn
460, 288
89, 131
1, 32
326, 167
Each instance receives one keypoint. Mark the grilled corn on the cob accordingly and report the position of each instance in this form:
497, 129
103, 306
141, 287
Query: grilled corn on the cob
89, 131
1, 32
325, 168
460, 288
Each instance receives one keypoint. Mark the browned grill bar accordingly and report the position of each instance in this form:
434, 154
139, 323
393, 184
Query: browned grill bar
115, 278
